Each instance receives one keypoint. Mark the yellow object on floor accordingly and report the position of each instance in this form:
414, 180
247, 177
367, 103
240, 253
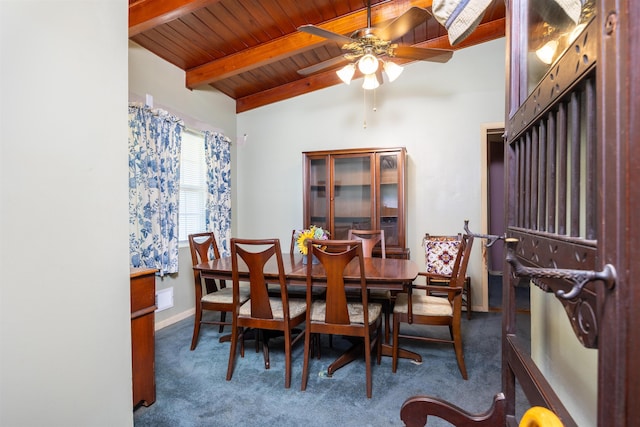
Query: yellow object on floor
537, 416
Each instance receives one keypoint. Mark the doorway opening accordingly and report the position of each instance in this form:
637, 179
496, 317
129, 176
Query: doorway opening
494, 221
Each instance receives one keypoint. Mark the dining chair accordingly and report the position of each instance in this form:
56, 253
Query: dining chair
262, 312
439, 254
417, 308
370, 239
209, 294
295, 290
334, 315
293, 249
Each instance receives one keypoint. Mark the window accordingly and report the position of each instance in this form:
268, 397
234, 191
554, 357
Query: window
193, 185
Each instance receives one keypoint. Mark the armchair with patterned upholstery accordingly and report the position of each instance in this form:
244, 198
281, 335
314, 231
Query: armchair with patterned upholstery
439, 256
423, 305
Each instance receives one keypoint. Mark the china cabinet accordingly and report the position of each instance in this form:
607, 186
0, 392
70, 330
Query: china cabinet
357, 189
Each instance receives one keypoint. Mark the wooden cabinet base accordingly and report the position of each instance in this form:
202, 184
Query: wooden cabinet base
143, 336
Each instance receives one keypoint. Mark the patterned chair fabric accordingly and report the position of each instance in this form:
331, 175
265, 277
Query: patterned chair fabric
440, 253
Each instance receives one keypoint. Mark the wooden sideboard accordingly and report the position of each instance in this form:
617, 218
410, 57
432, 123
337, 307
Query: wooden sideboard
143, 306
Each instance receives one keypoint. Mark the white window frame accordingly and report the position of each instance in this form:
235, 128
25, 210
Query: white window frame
193, 186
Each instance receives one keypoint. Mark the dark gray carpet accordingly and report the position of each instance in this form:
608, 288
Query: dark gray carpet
192, 390
495, 294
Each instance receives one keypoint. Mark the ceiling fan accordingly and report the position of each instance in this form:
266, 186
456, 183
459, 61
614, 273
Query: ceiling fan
366, 48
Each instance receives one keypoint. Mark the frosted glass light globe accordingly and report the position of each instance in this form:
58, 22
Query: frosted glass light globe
370, 82
368, 64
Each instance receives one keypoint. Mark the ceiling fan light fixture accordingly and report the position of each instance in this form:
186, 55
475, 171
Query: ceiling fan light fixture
370, 82
392, 70
346, 73
368, 64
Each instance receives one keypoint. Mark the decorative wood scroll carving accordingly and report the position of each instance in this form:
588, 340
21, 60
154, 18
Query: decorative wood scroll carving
491, 238
569, 286
543, 252
415, 410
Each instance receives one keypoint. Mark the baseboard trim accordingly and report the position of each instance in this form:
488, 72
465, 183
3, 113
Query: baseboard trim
174, 319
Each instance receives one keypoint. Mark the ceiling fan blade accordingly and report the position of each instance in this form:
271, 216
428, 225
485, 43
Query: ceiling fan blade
423, 54
403, 23
321, 32
322, 65
379, 76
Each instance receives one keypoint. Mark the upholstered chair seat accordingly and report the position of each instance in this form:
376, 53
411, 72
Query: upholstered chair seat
356, 312
423, 305
296, 307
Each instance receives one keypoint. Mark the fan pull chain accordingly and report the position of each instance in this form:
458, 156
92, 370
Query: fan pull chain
375, 108
364, 109
364, 106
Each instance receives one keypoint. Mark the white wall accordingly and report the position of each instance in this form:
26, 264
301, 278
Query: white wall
203, 109
435, 110
571, 369
64, 305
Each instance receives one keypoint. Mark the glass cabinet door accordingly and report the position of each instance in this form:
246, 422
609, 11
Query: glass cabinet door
389, 206
549, 34
318, 192
352, 199
544, 33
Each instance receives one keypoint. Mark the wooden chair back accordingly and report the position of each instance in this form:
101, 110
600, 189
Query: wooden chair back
440, 254
293, 249
369, 239
255, 253
335, 255
203, 247
456, 281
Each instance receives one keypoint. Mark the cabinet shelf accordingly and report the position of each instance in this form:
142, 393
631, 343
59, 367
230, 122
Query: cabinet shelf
352, 185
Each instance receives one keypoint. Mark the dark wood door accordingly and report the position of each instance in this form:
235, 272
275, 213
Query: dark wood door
571, 157
573, 199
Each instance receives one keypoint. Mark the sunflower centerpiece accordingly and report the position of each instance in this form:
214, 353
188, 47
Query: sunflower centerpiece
313, 232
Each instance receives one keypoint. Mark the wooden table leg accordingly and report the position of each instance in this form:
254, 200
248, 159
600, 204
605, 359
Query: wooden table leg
356, 351
352, 353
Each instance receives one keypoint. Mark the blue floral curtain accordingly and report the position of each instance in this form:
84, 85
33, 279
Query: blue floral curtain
154, 183
218, 208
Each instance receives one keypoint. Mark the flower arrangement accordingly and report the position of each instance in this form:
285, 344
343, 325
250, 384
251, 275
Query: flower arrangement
313, 232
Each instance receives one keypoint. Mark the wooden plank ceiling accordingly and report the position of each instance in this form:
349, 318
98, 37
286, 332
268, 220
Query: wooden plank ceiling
251, 50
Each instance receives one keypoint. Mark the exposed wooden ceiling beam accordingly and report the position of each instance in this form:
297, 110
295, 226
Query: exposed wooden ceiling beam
297, 42
146, 14
485, 32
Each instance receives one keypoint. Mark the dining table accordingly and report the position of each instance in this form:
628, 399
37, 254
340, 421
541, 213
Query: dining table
390, 274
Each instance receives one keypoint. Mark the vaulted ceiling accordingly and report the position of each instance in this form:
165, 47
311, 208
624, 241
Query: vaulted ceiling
251, 50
